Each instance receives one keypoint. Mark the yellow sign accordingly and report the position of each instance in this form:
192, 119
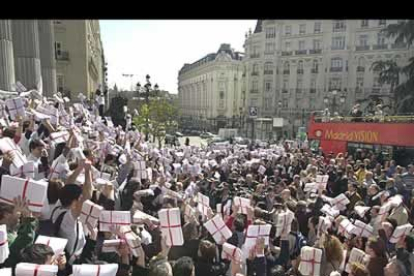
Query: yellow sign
353, 136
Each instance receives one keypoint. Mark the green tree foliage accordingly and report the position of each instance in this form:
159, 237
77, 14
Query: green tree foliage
390, 72
162, 118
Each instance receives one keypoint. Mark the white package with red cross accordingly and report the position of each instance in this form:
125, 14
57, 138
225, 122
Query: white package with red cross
90, 213
57, 244
284, 222
110, 219
231, 252
243, 203
361, 210
170, 221
356, 256
109, 246
262, 169
59, 169
59, 137
27, 170
257, 231
4, 245
95, 270
28, 189
362, 229
16, 108
132, 240
340, 202
7, 145
203, 203
321, 181
141, 169
324, 225
346, 228
400, 231
140, 216
310, 261
28, 269
218, 229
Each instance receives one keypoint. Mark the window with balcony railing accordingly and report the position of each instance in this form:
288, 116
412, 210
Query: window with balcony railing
380, 47
298, 90
255, 73
312, 90
336, 69
399, 46
284, 90
254, 91
299, 71
286, 53
268, 72
339, 26
364, 23
286, 71
360, 69
315, 51
62, 55
254, 55
362, 48
314, 70
300, 52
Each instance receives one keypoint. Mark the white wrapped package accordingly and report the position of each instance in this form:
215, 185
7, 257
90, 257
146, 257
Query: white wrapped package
112, 245
90, 213
133, 241
262, 169
310, 261
384, 209
231, 252
203, 203
190, 190
257, 231
5, 271
4, 245
110, 219
321, 181
356, 256
27, 170
243, 203
57, 244
284, 222
361, 210
95, 270
346, 228
59, 137
340, 202
170, 221
363, 230
59, 169
218, 229
188, 212
140, 216
27, 189
7, 145
27, 269
171, 193
400, 232
140, 169
324, 225
16, 108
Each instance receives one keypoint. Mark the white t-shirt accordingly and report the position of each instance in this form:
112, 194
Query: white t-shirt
68, 231
101, 100
37, 163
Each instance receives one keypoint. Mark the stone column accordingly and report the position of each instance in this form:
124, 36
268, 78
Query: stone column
26, 52
6, 56
47, 57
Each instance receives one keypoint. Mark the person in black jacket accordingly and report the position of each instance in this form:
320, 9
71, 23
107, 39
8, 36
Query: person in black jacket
205, 265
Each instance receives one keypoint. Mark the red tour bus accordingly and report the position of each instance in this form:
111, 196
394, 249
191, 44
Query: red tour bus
395, 136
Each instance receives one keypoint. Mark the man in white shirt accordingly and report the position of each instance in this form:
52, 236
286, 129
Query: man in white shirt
38, 155
66, 218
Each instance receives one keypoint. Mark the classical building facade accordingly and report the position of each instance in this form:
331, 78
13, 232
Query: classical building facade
210, 90
80, 58
292, 68
26, 55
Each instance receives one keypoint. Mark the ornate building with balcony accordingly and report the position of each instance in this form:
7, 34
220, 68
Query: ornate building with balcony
80, 59
291, 66
209, 90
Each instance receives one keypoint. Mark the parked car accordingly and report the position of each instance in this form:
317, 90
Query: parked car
206, 135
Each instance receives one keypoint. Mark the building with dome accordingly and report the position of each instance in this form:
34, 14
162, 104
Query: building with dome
210, 91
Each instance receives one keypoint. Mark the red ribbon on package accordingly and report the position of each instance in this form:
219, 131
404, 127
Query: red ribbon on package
218, 229
169, 226
312, 261
26, 183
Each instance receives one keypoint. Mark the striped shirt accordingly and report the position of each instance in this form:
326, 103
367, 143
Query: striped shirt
408, 179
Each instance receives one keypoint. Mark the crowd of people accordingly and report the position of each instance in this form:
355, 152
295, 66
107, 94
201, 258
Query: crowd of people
80, 196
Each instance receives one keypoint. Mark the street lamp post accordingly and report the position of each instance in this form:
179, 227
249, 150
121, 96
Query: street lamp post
147, 92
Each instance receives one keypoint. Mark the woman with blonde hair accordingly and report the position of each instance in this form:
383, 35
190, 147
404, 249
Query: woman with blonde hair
333, 254
358, 269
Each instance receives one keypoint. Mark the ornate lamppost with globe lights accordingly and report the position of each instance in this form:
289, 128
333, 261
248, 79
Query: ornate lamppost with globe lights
147, 92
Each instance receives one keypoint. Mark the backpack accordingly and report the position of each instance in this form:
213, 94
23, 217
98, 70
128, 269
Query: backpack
300, 241
48, 228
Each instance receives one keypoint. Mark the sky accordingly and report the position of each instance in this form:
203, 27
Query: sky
161, 47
